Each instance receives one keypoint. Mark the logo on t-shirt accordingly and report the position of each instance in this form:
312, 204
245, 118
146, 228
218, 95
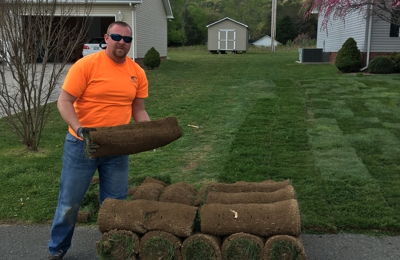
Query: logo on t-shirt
133, 79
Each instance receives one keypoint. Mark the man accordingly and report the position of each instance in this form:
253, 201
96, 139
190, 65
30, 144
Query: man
102, 89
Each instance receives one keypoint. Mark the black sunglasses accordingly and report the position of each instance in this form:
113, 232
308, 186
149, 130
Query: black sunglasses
117, 38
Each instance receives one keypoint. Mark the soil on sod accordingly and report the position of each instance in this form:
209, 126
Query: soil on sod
279, 218
285, 193
148, 191
238, 187
134, 138
181, 192
142, 216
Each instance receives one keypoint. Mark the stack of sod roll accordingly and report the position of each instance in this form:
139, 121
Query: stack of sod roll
243, 220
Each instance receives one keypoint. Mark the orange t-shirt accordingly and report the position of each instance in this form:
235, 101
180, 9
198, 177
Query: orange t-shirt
104, 90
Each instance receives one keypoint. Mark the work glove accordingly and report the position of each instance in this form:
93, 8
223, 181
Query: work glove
84, 133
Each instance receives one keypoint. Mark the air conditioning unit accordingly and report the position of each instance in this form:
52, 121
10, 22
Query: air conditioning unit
310, 55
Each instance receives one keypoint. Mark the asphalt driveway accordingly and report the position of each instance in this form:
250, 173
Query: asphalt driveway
30, 243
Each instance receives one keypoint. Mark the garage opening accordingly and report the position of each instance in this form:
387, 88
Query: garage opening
96, 27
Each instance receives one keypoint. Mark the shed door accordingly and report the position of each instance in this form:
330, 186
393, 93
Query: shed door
227, 39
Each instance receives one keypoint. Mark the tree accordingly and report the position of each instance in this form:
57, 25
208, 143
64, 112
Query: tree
285, 30
386, 10
34, 34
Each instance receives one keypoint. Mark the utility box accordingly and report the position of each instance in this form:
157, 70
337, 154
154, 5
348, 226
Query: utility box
310, 55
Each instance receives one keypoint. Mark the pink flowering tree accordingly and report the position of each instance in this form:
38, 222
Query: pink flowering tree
387, 10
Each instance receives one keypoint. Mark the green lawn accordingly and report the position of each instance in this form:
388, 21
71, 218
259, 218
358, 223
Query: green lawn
262, 116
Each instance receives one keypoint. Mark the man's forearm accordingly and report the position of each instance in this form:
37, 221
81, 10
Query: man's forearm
141, 116
67, 112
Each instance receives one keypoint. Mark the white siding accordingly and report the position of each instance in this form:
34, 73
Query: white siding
338, 31
151, 28
381, 40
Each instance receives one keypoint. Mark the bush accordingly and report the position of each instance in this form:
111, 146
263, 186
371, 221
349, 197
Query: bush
381, 65
302, 40
349, 57
395, 57
152, 59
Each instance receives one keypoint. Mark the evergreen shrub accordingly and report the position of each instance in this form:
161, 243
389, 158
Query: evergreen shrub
381, 65
395, 57
349, 57
152, 59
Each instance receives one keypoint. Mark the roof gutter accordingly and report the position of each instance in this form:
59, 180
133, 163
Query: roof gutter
369, 39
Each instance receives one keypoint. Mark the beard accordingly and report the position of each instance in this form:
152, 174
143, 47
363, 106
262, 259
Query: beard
120, 52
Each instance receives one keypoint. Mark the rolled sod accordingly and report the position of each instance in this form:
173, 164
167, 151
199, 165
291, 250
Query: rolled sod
118, 245
134, 138
152, 180
160, 245
201, 247
284, 247
265, 186
242, 246
285, 193
148, 191
279, 218
180, 192
142, 216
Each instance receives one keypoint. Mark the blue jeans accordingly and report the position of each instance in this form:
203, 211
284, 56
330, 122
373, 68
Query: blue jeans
76, 175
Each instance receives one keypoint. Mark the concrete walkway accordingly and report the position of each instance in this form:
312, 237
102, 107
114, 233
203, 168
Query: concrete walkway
30, 243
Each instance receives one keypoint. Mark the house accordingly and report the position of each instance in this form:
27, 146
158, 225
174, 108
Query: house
373, 36
265, 42
148, 19
227, 35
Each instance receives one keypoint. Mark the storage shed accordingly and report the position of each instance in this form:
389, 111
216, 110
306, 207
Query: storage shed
227, 35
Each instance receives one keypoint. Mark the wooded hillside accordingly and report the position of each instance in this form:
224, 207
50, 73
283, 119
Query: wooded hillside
192, 16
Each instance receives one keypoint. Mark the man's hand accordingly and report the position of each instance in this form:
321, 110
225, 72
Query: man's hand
84, 133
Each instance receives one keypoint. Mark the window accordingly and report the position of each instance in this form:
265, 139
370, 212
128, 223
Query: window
395, 24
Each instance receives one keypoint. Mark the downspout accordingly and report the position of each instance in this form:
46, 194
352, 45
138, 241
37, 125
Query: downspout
132, 6
369, 39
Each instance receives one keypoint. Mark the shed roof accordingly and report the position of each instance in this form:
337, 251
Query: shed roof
264, 38
226, 18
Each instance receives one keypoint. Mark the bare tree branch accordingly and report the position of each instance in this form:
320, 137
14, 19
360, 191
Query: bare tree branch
39, 38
